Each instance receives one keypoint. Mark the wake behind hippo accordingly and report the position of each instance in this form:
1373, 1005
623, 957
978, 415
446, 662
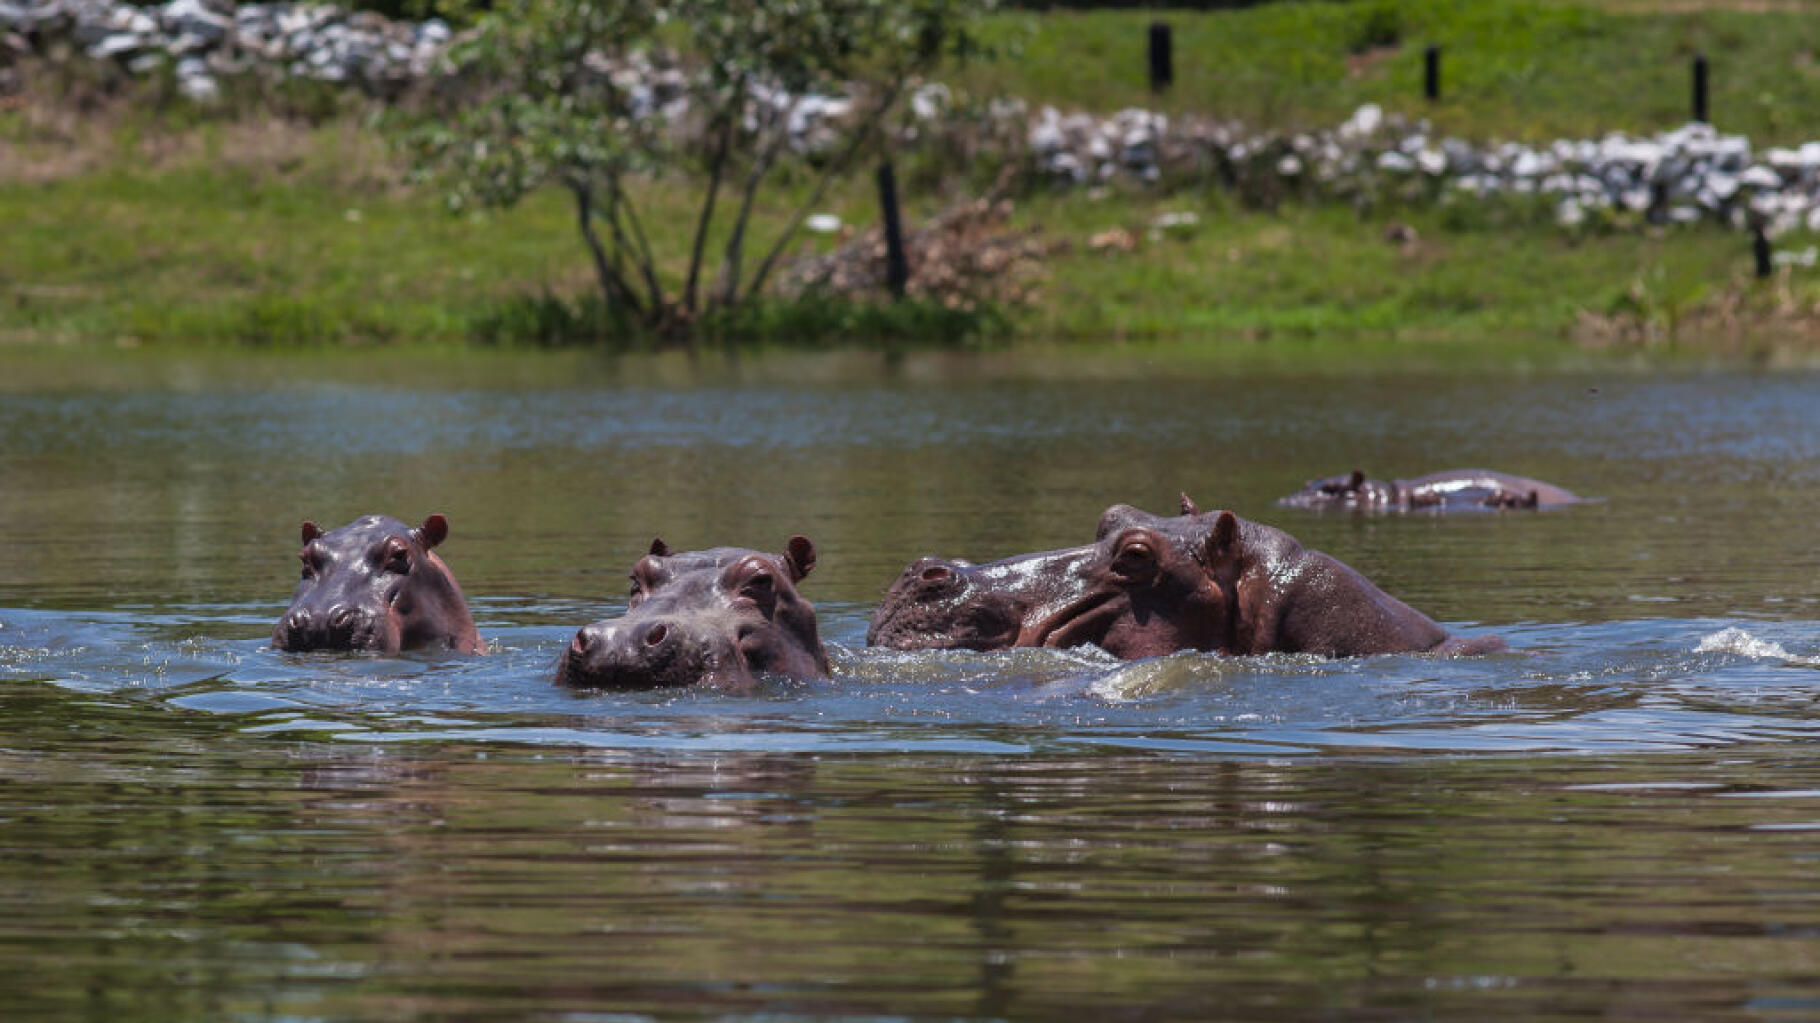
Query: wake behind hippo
1450, 490
1151, 586
376, 584
720, 617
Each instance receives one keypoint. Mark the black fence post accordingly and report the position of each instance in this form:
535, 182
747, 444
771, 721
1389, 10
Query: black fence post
1759, 247
1162, 57
1700, 89
897, 267
1431, 73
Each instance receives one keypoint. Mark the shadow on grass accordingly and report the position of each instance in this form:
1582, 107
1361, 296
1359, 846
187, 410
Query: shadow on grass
548, 320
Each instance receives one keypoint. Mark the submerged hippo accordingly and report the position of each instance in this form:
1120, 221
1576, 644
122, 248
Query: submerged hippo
720, 616
1151, 586
1452, 490
374, 584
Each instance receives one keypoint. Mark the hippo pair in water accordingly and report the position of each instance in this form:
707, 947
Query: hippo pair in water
721, 616
1452, 490
1147, 586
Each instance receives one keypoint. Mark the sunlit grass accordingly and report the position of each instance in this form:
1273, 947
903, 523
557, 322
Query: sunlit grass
152, 224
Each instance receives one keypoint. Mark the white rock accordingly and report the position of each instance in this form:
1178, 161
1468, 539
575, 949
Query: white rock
1760, 177
1363, 123
1395, 162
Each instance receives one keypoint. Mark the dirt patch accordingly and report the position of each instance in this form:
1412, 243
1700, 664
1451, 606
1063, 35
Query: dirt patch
60, 125
1360, 64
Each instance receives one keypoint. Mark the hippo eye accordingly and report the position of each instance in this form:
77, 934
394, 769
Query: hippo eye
1135, 559
759, 586
397, 556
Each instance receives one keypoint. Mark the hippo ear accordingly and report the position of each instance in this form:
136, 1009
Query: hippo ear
1356, 480
434, 530
311, 531
1188, 505
799, 554
659, 549
1223, 542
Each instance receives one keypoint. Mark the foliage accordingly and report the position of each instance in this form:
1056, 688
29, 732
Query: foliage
593, 97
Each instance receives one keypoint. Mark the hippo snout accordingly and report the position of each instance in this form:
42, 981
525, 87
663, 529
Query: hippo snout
342, 627
634, 655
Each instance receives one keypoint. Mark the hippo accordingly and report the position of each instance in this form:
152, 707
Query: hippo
1451, 490
1150, 586
720, 617
375, 584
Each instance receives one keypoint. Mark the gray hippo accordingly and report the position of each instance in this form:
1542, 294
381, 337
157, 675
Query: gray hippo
375, 584
1451, 490
1151, 586
720, 617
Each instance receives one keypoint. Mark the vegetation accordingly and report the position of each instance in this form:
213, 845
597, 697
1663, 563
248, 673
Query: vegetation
133, 218
551, 111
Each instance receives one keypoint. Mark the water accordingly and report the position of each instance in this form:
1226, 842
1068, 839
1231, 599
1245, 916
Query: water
1616, 819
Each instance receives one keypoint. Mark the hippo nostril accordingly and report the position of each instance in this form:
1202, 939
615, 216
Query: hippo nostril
341, 618
581, 644
936, 574
656, 635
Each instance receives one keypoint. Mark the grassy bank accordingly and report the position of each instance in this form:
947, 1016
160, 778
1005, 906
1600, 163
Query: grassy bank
132, 225
1522, 70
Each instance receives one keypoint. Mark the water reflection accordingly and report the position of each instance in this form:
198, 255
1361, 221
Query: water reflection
483, 881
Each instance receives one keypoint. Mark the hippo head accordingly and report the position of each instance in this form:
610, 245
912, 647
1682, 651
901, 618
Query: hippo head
1353, 490
721, 616
1147, 586
375, 585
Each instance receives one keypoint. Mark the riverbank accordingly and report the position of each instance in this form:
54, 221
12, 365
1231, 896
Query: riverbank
134, 226
299, 243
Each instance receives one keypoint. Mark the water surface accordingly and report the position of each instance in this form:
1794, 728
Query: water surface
1615, 819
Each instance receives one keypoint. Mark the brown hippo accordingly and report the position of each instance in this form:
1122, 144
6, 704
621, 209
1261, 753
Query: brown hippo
374, 584
1451, 490
1152, 586
721, 616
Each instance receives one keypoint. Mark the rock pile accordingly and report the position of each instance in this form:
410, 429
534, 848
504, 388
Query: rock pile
1689, 174
963, 257
204, 40
1680, 176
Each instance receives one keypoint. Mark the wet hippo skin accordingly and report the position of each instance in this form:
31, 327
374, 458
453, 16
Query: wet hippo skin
1150, 586
720, 617
1451, 490
375, 584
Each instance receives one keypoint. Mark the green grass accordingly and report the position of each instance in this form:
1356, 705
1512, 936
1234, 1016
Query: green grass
163, 226
1306, 270
1509, 69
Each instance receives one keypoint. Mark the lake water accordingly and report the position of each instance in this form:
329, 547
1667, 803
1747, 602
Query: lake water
1620, 818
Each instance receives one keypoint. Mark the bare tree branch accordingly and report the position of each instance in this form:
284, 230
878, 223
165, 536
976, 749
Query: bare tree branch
612, 284
727, 287
716, 167
869, 128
